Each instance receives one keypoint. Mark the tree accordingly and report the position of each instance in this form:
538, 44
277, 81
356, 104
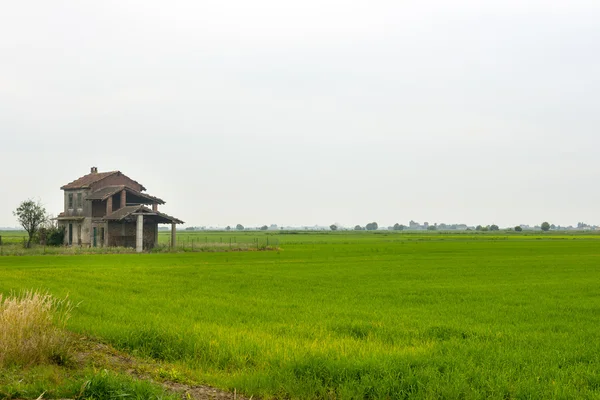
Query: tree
239, 227
358, 228
494, 228
333, 227
228, 228
518, 229
432, 228
545, 226
398, 227
31, 216
264, 228
372, 226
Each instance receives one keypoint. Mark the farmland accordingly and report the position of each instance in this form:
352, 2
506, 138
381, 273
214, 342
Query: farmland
348, 314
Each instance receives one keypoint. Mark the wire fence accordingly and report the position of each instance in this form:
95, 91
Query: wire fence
198, 242
16, 244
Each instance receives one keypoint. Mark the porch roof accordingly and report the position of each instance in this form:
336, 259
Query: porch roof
130, 213
63, 217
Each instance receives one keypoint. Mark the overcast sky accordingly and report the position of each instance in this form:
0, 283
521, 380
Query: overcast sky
308, 112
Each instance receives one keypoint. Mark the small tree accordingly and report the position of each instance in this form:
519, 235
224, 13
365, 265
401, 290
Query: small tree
228, 228
239, 227
518, 229
31, 216
333, 227
545, 226
372, 226
494, 228
358, 228
264, 228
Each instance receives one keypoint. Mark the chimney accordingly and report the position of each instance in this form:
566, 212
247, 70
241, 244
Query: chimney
94, 170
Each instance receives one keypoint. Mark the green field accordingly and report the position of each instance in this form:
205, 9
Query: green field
349, 314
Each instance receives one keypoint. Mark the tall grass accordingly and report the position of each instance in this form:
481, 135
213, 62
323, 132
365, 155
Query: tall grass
32, 329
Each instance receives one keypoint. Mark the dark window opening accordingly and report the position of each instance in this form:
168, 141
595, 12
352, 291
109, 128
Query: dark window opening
70, 200
79, 200
116, 203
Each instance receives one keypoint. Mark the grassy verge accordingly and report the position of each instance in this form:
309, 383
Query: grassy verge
55, 382
39, 250
39, 358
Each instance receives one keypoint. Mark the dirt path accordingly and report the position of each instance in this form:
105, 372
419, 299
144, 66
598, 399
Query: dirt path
100, 355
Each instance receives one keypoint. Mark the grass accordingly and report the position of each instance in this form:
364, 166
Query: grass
350, 315
32, 329
108, 386
49, 381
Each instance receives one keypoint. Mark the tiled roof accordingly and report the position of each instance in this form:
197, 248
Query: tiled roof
123, 212
106, 192
126, 212
86, 180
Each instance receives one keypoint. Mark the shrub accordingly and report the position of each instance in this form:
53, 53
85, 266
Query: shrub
32, 329
51, 236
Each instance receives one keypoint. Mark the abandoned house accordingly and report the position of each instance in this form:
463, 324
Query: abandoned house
110, 209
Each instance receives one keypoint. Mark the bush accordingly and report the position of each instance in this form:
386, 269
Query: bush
32, 329
51, 236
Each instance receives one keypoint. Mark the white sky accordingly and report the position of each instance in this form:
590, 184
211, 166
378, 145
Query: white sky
308, 112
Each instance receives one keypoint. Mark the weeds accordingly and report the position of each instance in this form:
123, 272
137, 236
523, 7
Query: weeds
32, 329
39, 250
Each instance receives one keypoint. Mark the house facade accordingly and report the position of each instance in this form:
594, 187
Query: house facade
110, 209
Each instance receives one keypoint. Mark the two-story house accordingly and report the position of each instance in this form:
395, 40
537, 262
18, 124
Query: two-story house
110, 209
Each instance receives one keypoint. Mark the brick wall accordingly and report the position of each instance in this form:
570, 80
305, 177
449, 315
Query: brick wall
98, 208
123, 234
149, 232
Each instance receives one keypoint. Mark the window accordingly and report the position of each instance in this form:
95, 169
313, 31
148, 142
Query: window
79, 201
70, 200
